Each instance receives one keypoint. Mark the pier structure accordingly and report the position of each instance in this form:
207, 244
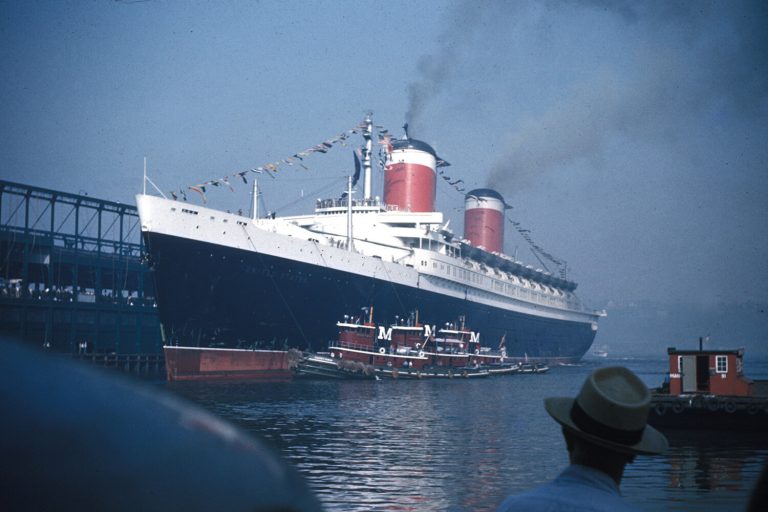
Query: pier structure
73, 278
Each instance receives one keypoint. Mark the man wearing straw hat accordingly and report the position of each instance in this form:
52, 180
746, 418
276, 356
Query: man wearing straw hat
604, 429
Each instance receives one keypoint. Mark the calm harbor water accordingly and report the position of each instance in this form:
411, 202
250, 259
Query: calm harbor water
464, 445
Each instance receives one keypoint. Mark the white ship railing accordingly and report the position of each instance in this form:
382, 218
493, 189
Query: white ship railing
481, 284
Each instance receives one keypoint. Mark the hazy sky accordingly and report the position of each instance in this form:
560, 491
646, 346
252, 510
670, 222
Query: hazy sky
630, 137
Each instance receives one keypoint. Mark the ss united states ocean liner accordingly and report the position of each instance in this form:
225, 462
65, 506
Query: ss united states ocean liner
235, 292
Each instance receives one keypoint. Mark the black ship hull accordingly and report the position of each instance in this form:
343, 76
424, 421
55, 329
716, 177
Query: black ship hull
212, 295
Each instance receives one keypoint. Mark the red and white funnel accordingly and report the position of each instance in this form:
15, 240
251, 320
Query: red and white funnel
410, 178
484, 219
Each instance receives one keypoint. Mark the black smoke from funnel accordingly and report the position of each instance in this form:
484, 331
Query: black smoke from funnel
681, 73
435, 72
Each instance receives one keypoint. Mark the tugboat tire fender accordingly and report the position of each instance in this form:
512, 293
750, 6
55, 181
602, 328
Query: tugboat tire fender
421, 353
729, 407
677, 408
382, 350
753, 408
450, 374
660, 409
464, 373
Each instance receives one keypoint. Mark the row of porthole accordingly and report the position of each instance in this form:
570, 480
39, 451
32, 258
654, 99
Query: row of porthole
476, 279
527, 293
526, 284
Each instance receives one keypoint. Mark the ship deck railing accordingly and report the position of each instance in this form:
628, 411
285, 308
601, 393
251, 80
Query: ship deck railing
342, 203
484, 284
350, 345
399, 351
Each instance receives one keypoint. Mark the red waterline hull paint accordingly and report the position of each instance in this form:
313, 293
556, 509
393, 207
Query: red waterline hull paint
193, 363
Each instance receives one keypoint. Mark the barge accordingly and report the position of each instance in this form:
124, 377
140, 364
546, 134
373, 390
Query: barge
213, 363
707, 390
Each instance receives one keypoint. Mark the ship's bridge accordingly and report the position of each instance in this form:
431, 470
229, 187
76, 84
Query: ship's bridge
376, 229
368, 217
336, 206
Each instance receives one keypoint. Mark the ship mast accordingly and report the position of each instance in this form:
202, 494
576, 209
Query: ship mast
349, 213
367, 135
255, 201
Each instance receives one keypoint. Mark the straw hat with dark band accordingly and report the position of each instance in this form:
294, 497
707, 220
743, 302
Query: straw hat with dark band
611, 410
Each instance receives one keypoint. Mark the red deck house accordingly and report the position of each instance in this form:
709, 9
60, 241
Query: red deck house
710, 372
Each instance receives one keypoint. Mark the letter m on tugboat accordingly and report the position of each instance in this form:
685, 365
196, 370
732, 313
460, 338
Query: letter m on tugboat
385, 333
707, 390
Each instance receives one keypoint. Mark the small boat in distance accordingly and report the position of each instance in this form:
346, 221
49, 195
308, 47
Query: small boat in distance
406, 349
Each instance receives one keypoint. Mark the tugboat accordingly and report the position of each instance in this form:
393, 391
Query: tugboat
707, 390
406, 349
533, 368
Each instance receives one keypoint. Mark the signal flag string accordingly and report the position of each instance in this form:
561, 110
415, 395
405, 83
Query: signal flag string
385, 140
525, 233
271, 168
